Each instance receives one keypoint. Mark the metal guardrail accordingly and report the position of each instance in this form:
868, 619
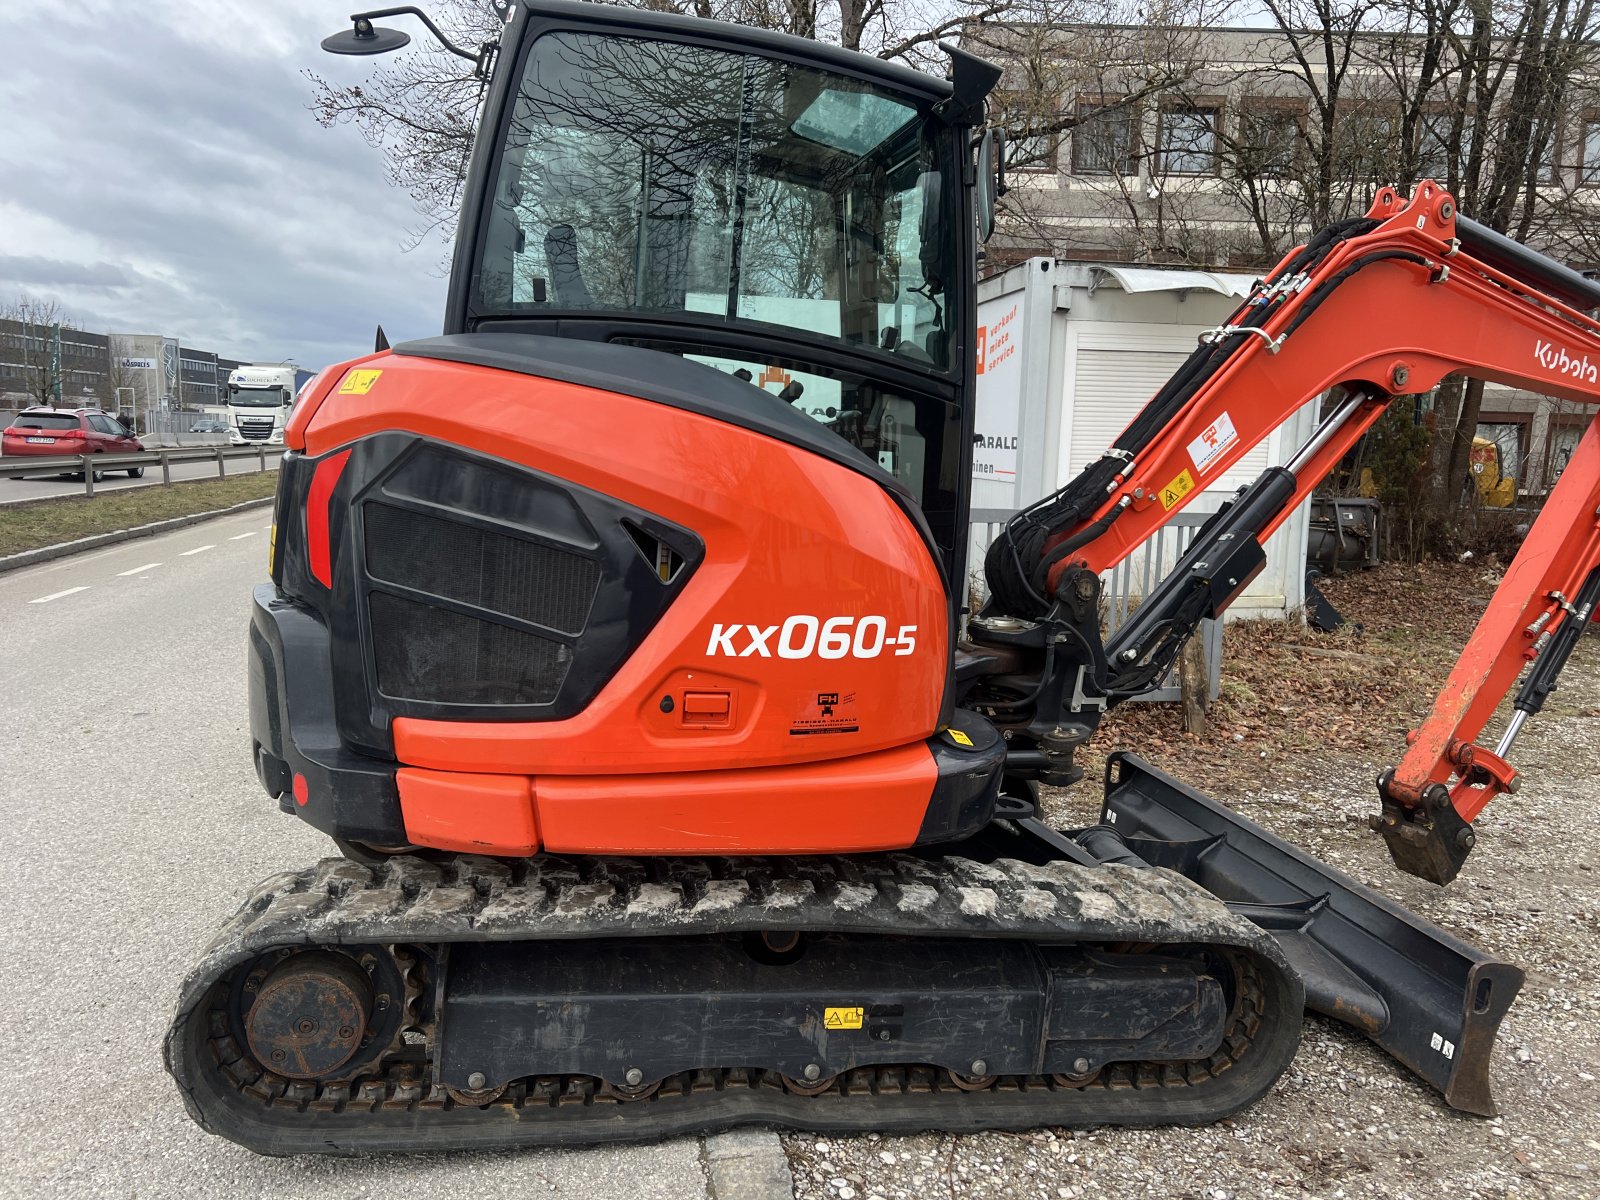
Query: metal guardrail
1126, 584
19, 466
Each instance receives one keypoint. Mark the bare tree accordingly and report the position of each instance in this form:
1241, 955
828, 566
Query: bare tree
1088, 79
1470, 93
41, 364
421, 110
1522, 68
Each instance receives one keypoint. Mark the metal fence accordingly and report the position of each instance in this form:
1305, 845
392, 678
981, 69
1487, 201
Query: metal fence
89, 466
1124, 586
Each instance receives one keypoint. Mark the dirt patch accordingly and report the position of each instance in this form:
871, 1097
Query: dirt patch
1295, 743
1291, 696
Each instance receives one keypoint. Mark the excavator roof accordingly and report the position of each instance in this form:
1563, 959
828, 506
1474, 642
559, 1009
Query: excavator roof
758, 41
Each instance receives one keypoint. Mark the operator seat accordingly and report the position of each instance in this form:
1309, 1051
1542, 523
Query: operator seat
566, 278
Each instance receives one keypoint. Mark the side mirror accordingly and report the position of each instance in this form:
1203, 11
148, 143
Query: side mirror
365, 38
988, 182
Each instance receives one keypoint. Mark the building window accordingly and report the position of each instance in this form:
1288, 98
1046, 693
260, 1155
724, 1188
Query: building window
1509, 434
1102, 140
1031, 152
1370, 132
1188, 139
1439, 147
1560, 441
1589, 166
1433, 146
1547, 156
1269, 140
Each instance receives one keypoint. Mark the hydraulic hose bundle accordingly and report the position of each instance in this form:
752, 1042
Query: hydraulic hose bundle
1019, 561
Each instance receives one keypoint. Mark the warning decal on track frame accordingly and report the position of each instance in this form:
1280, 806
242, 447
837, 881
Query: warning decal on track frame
842, 1018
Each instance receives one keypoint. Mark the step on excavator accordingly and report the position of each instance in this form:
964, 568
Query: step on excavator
616, 638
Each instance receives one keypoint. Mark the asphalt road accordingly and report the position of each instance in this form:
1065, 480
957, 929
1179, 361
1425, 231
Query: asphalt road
40, 486
131, 825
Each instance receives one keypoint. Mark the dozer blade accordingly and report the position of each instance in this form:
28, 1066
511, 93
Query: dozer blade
1429, 999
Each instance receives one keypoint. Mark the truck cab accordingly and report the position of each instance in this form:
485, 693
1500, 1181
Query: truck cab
259, 399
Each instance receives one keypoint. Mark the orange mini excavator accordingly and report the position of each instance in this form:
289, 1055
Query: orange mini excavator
673, 790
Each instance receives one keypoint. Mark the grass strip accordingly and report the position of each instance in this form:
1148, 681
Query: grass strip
30, 526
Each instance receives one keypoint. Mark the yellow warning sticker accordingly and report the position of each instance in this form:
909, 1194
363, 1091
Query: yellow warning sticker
359, 383
842, 1018
958, 737
1177, 489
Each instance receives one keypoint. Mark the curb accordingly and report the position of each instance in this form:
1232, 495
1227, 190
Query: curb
44, 554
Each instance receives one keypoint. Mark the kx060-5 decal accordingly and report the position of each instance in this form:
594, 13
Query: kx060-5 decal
813, 637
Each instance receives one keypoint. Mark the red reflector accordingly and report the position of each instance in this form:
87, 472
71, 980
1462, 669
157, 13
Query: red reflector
302, 790
323, 481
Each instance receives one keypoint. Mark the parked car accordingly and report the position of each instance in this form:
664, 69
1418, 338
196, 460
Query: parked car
209, 425
57, 431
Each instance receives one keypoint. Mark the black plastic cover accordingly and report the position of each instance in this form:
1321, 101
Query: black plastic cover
971, 759
659, 1006
294, 732
468, 586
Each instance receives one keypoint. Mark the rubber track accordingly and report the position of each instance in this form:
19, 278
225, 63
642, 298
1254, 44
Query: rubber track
408, 900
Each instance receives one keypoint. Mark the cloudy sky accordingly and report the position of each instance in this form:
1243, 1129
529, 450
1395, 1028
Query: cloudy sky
160, 172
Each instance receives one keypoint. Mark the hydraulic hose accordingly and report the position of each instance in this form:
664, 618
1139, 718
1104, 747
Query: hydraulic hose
1017, 564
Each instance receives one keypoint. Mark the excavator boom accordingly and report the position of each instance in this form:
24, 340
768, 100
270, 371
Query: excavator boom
1375, 308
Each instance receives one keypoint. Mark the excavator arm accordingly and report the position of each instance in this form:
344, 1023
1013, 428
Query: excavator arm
1369, 309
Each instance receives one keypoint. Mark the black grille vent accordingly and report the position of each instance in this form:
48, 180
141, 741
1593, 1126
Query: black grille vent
437, 656
522, 579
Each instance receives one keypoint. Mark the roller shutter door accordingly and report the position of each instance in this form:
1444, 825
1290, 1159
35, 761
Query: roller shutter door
1111, 385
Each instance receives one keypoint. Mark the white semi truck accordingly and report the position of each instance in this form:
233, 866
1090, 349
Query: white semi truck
259, 398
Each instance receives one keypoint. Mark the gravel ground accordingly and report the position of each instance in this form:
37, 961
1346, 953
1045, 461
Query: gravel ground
1345, 1120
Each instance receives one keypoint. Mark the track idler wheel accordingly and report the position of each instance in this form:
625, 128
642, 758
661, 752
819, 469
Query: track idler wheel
629, 1092
971, 1083
309, 1015
809, 1087
476, 1098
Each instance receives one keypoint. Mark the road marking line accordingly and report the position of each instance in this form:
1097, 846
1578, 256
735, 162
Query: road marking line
198, 550
247, 533
58, 595
136, 570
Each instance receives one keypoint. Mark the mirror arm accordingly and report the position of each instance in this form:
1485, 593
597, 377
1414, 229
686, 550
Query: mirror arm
478, 60
1000, 185
971, 80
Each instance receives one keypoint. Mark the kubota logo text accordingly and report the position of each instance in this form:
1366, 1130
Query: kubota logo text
1554, 358
812, 637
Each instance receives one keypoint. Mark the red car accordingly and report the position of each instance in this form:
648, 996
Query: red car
55, 431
